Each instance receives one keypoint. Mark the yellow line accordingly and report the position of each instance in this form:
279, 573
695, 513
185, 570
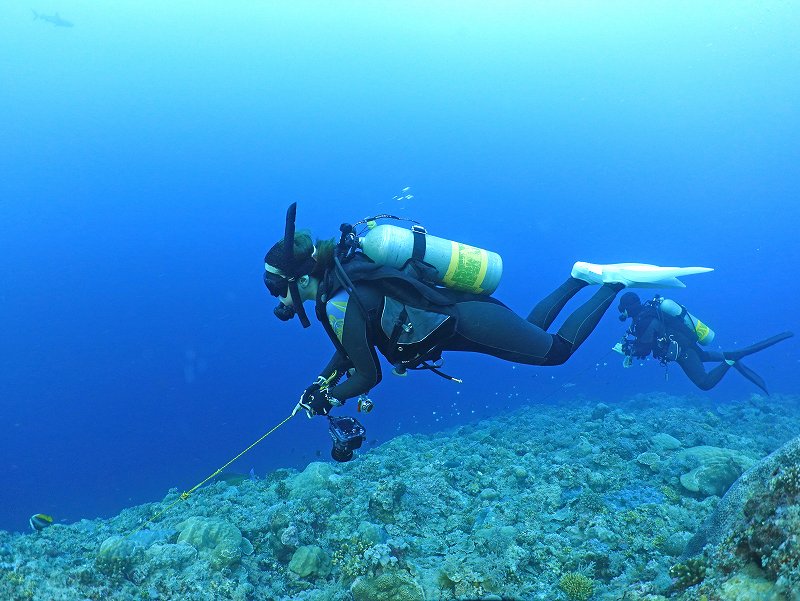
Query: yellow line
185, 495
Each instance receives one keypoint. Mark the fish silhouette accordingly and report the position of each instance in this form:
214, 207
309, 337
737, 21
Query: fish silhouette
54, 19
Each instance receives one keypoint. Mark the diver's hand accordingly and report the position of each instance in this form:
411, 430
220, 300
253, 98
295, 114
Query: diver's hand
315, 400
640, 350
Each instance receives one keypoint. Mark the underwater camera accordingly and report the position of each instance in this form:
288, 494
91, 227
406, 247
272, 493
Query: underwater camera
347, 435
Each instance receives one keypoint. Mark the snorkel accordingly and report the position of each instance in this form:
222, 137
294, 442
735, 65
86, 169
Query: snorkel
292, 272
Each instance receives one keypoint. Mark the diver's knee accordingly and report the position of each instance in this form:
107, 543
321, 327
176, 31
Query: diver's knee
559, 352
705, 385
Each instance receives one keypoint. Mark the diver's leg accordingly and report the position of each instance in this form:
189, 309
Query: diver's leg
709, 356
692, 365
549, 307
733, 358
494, 329
581, 323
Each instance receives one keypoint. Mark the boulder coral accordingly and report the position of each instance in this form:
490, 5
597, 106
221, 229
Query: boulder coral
715, 469
310, 561
218, 541
311, 480
117, 556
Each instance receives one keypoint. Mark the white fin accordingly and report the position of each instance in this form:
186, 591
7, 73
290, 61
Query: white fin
634, 275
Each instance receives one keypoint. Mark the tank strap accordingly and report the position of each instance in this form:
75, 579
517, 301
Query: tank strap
420, 243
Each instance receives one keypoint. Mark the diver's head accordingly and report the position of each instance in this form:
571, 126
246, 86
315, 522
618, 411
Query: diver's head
289, 298
293, 268
630, 305
298, 261
288, 275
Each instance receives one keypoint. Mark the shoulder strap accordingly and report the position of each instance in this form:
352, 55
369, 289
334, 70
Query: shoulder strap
401, 283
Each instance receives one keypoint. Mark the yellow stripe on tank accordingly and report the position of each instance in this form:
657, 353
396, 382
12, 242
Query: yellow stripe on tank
467, 268
701, 330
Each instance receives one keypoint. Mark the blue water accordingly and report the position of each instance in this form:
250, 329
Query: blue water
147, 156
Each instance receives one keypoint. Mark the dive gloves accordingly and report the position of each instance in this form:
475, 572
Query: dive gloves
315, 399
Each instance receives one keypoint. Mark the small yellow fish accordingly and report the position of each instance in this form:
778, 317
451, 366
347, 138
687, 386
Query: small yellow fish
40, 521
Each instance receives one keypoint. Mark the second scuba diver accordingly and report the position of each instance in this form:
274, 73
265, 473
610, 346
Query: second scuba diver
666, 330
425, 296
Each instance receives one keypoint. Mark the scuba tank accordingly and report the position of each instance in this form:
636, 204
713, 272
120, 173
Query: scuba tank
702, 332
459, 266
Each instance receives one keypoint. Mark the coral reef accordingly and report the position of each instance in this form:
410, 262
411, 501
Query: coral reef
579, 502
389, 586
755, 529
688, 573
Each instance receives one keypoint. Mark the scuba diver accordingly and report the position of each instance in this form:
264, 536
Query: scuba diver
412, 296
667, 330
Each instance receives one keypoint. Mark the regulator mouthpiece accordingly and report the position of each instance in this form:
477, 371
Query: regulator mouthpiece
284, 312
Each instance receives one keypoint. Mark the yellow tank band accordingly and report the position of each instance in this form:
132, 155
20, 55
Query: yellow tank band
467, 268
701, 330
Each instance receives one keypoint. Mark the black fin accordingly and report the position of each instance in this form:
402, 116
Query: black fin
758, 346
751, 375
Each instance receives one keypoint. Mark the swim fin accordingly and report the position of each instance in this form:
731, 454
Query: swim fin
758, 346
751, 375
634, 275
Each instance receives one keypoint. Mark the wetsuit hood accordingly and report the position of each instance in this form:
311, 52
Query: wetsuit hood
283, 257
630, 303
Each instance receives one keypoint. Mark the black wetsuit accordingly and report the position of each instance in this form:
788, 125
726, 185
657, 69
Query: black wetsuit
654, 333
481, 325
669, 339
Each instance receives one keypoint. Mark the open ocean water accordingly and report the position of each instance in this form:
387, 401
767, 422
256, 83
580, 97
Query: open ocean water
148, 153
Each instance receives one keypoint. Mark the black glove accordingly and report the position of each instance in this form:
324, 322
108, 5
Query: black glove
315, 399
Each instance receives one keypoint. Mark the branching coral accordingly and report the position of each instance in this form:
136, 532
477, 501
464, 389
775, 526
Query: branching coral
576, 586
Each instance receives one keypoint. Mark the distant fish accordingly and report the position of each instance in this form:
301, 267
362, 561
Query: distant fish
253, 474
568, 385
40, 521
54, 19
404, 194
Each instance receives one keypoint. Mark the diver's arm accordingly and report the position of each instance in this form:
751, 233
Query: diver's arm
645, 341
339, 363
366, 371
